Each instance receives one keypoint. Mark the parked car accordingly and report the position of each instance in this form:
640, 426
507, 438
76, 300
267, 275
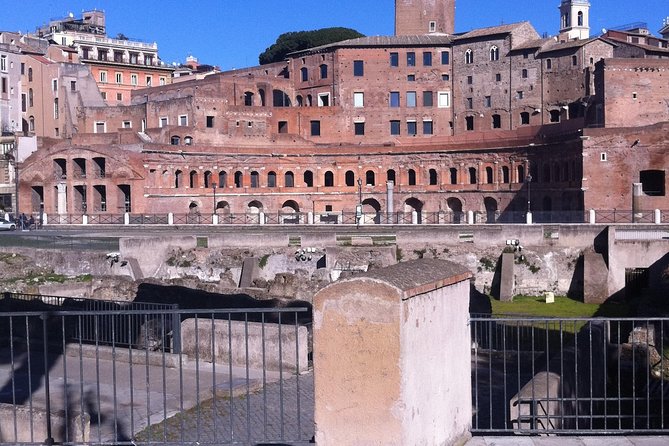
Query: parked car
7, 225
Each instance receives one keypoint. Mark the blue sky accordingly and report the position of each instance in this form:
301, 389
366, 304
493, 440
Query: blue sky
231, 33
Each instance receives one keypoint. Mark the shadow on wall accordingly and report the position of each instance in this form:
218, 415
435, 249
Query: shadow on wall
191, 299
479, 303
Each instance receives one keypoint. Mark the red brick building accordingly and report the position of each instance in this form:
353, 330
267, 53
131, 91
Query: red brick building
435, 123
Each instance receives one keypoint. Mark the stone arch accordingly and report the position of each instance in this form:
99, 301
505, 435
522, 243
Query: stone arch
175, 140
454, 206
224, 206
350, 178
308, 178
248, 98
491, 208
255, 207
290, 206
371, 210
414, 204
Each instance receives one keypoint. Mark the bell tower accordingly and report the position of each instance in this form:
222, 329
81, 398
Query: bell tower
416, 17
574, 19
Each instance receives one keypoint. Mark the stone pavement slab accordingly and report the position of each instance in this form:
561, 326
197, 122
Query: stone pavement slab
570, 441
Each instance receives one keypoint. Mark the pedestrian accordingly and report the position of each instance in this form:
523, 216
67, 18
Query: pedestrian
31, 223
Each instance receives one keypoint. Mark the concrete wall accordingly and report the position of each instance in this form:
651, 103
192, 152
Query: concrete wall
30, 425
264, 343
151, 252
391, 357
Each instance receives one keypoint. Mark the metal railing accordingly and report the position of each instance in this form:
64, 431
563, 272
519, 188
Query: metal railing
568, 376
235, 381
604, 217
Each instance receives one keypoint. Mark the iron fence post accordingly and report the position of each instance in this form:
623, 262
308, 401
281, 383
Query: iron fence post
176, 331
49, 437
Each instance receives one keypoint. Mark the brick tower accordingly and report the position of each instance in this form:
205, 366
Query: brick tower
416, 17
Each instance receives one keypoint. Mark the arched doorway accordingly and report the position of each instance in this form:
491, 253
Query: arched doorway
454, 206
254, 209
490, 209
193, 213
371, 211
290, 212
413, 204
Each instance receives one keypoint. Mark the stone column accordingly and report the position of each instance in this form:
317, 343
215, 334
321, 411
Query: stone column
392, 357
390, 198
62, 198
637, 193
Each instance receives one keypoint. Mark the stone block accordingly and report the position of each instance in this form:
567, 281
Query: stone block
506, 284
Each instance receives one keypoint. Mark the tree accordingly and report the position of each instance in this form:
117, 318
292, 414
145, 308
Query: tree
301, 40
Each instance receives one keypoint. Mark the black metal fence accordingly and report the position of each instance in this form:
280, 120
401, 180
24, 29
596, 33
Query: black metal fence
242, 377
566, 376
379, 218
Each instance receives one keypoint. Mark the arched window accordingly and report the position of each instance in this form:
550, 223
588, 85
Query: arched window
412, 177
289, 179
488, 175
453, 174
178, 179
271, 179
521, 174
350, 178
207, 179
433, 177
329, 179
299, 100
31, 98
30, 74
469, 56
239, 179
505, 174
193, 180
308, 178
580, 18
255, 179
472, 175
175, 140
494, 53
222, 179
261, 93
390, 175
188, 140
547, 174
370, 178
523, 73
248, 98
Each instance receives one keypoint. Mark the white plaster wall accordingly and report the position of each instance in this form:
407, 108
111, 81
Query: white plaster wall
436, 366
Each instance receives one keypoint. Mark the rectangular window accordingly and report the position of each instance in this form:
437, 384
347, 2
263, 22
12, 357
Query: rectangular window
56, 112
23, 68
164, 122
104, 95
443, 99
445, 57
395, 128
427, 59
427, 128
3, 63
323, 99
127, 124
100, 127
470, 103
315, 128
411, 128
411, 77
24, 102
358, 99
54, 85
119, 96
498, 77
119, 78
470, 80
133, 79
394, 98
359, 128
3, 81
427, 99
411, 59
394, 59
162, 80
519, 94
103, 77
149, 80
73, 86
358, 68
210, 122
283, 126
183, 120
487, 102
411, 98
445, 77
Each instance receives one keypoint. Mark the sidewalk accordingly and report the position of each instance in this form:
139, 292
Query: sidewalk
569, 441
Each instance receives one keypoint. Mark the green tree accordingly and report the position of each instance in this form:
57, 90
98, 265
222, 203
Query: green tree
301, 40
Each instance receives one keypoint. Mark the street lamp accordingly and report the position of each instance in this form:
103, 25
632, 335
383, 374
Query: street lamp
213, 186
358, 208
529, 189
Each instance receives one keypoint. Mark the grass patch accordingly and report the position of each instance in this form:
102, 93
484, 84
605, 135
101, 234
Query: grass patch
263, 261
563, 307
